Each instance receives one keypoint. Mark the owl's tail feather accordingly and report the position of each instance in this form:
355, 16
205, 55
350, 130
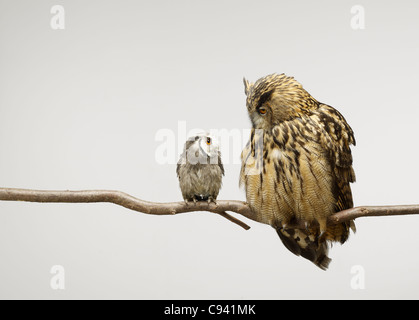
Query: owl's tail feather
304, 243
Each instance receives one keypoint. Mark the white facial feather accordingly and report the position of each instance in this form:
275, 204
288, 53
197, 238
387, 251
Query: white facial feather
209, 145
203, 150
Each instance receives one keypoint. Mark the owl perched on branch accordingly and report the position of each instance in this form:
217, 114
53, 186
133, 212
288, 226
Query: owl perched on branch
200, 170
297, 166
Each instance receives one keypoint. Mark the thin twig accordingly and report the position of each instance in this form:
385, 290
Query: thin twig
171, 208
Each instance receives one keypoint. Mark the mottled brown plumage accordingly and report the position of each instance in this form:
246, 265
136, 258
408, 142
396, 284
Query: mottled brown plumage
297, 165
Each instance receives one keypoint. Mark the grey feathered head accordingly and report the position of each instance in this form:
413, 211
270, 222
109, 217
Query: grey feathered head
201, 148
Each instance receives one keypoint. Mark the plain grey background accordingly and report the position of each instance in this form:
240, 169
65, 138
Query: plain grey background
80, 109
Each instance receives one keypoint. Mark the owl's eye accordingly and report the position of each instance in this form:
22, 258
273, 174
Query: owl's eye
208, 141
262, 110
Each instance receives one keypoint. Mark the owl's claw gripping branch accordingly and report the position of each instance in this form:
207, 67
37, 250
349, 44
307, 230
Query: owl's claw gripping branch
170, 208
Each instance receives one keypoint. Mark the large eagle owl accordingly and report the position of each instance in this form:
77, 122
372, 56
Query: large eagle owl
297, 166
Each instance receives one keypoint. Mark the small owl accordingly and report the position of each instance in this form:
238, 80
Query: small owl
297, 166
200, 169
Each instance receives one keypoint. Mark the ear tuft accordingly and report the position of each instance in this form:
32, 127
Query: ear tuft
247, 86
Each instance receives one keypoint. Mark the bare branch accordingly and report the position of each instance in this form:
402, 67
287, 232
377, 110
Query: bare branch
171, 208
127, 201
374, 211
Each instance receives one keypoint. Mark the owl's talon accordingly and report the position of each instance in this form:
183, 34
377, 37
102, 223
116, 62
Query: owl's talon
282, 225
211, 199
323, 228
321, 234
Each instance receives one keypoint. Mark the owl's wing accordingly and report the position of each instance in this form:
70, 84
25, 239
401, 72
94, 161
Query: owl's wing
182, 160
177, 169
220, 163
336, 137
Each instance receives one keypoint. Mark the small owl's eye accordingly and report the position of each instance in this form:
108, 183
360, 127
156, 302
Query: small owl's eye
262, 110
208, 141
